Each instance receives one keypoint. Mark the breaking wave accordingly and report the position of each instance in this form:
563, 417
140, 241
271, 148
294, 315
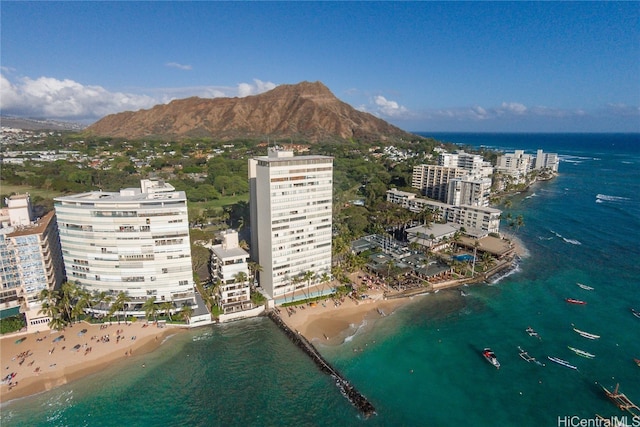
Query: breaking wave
606, 197
572, 241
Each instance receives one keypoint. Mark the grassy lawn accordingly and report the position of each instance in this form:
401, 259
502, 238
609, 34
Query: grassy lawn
219, 203
22, 189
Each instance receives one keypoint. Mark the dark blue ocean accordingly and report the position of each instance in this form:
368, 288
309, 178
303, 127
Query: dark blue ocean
422, 365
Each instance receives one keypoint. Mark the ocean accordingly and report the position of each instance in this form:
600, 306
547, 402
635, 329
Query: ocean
422, 365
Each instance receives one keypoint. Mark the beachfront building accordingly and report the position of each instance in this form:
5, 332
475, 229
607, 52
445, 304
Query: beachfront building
473, 164
435, 237
134, 241
291, 221
516, 165
482, 218
544, 160
469, 191
30, 261
230, 268
432, 180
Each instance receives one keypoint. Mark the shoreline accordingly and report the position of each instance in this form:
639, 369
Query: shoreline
46, 360
41, 363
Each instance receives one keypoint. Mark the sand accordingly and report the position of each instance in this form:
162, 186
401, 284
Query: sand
41, 363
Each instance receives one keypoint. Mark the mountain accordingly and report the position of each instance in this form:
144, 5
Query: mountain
303, 111
38, 124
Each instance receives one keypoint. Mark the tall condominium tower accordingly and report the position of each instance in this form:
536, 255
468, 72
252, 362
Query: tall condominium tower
30, 260
135, 241
291, 221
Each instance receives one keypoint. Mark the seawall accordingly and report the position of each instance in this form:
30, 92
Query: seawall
354, 396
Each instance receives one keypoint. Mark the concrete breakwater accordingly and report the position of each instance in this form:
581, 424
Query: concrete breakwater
353, 395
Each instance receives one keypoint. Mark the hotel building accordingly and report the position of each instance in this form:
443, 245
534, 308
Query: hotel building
134, 241
432, 180
30, 261
291, 220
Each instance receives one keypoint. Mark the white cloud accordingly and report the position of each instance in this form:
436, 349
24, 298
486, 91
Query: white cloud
258, 86
67, 99
387, 107
178, 66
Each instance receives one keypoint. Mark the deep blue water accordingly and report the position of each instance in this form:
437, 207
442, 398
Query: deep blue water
422, 365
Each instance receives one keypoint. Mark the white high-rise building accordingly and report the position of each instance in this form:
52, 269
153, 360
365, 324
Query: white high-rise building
134, 241
230, 265
291, 221
30, 261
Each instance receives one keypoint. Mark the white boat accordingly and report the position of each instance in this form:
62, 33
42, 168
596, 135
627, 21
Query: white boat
581, 352
562, 362
588, 288
586, 334
635, 313
491, 357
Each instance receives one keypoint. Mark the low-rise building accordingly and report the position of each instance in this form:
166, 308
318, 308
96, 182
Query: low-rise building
230, 266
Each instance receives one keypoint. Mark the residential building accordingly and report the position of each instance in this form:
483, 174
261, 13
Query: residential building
230, 266
291, 199
134, 241
432, 180
482, 218
516, 164
473, 164
469, 191
546, 161
30, 261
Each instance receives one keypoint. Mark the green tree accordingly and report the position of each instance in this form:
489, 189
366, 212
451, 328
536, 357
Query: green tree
150, 308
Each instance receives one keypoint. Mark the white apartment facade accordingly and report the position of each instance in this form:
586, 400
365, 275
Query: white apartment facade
291, 200
482, 218
134, 241
229, 263
432, 180
30, 261
469, 191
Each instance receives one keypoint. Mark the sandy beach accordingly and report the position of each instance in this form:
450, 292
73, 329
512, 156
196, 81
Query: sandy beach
330, 321
42, 361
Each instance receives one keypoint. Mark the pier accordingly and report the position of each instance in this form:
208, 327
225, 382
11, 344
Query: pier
354, 396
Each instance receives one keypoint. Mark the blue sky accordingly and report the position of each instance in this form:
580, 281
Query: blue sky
423, 66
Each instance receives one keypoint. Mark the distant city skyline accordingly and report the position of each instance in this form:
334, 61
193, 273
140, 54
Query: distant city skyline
422, 66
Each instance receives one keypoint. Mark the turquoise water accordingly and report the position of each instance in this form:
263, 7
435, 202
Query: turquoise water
422, 365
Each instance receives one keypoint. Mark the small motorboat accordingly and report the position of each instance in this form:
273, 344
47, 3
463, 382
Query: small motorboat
491, 357
635, 313
574, 301
585, 287
637, 361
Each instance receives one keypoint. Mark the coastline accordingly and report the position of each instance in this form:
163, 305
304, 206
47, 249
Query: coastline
331, 324
43, 361
60, 363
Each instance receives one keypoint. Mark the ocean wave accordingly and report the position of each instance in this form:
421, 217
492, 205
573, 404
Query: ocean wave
572, 241
532, 195
544, 238
608, 198
509, 272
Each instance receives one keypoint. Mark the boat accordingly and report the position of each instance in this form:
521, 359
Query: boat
637, 361
621, 401
586, 334
527, 357
588, 288
575, 301
635, 313
562, 362
532, 332
581, 352
491, 357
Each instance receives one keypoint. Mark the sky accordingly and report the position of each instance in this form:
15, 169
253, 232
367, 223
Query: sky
422, 66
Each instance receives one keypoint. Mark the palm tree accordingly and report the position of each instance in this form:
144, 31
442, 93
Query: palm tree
476, 244
240, 277
325, 278
254, 270
119, 305
308, 276
166, 307
487, 261
83, 301
186, 312
150, 308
